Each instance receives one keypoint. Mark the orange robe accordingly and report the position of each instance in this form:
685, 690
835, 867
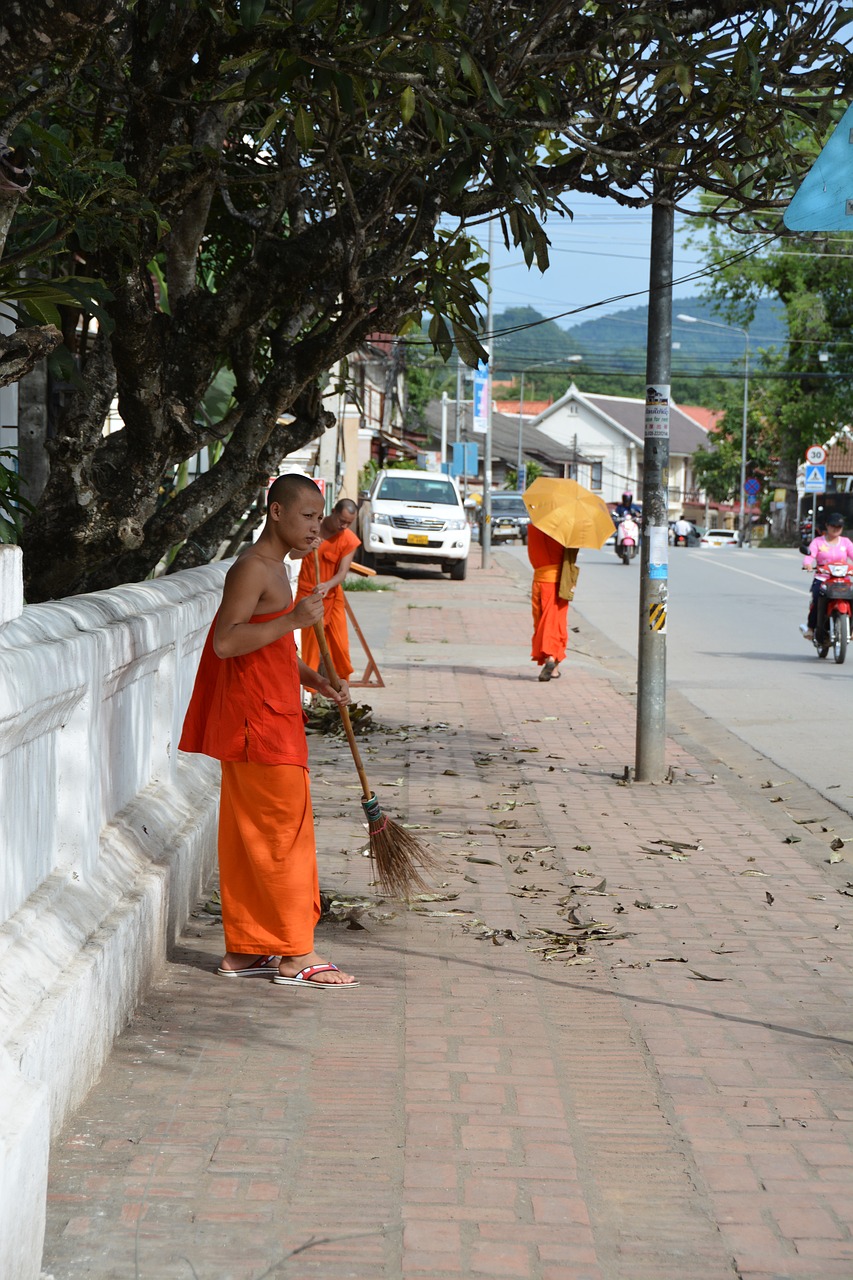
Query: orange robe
246, 712
331, 552
550, 613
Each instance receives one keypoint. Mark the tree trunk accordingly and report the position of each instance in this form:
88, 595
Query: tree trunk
33, 459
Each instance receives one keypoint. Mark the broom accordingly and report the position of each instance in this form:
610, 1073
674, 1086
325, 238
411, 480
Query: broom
395, 854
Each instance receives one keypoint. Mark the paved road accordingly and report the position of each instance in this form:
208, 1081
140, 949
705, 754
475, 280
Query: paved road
735, 650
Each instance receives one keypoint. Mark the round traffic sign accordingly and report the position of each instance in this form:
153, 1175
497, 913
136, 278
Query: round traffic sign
752, 487
816, 455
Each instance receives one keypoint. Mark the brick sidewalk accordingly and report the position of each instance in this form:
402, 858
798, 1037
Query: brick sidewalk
673, 1105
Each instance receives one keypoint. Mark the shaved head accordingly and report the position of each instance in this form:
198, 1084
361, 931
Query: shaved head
347, 505
288, 489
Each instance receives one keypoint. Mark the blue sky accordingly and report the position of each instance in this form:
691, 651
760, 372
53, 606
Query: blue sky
602, 253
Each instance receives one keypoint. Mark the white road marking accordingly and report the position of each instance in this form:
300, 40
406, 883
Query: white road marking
772, 581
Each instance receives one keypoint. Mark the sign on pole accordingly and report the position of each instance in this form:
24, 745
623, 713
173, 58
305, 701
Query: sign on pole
752, 487
824, 199
814, 480
481, 399
816, 455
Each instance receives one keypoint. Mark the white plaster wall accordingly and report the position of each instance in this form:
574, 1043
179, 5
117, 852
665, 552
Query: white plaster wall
107, 838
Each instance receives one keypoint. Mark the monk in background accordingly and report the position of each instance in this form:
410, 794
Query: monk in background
555, 574
246, 712
337, 547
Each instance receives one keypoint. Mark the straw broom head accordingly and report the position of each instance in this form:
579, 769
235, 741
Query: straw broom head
398, 857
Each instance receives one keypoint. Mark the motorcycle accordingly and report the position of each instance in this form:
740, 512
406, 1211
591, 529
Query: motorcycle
627, 539
832, 629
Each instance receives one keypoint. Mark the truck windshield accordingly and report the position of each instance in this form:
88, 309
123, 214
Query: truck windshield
416, 489
511, 506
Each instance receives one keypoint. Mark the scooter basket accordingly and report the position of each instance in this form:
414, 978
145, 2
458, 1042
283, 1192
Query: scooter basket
838, 591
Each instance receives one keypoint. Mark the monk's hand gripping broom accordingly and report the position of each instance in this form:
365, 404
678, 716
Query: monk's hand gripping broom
396, 855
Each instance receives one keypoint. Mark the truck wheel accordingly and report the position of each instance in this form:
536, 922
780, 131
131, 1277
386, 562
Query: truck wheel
458, 570
364, 557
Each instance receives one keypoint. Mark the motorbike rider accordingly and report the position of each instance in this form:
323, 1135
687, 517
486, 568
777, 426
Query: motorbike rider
682, 529
828, 548
626, 507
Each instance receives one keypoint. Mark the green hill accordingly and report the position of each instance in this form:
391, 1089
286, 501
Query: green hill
616, 343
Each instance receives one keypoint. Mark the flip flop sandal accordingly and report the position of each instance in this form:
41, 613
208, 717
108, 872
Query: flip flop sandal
260, 968
304, 979
547, 671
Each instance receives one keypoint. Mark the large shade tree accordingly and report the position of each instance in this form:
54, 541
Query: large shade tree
250, 187
802, 393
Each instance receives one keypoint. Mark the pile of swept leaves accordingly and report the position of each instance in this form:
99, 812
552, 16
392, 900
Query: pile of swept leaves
323, 717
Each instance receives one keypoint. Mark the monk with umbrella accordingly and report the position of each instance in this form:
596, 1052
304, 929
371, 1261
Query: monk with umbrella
564, 516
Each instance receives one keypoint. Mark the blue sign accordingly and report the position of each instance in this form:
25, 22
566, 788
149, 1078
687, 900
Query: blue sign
814, 479
482, 392
466, 459
824, 200
752, 487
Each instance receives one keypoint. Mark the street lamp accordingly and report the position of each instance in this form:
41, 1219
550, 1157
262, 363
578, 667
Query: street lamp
543, 364
735, 328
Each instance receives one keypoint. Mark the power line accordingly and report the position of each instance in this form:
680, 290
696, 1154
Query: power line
620, 297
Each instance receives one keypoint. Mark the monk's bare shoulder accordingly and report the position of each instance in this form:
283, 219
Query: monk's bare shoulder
259, 582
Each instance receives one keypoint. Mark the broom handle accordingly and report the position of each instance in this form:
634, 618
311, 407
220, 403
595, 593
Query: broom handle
335, 682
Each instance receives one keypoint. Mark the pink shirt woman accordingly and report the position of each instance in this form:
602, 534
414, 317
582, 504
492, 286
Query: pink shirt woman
827, 550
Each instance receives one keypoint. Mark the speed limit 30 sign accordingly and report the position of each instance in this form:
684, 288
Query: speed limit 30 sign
816, 455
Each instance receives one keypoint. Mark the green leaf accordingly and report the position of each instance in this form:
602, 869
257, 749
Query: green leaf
469, 347
43, 312
407, 104
251, 12
493, 89
440, 336
303, 128
272, 123
684, 79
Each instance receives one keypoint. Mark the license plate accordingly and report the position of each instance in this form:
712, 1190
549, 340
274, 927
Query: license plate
418, 540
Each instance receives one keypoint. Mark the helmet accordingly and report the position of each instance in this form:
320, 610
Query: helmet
627, 498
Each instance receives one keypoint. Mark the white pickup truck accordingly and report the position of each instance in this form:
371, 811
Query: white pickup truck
414, 517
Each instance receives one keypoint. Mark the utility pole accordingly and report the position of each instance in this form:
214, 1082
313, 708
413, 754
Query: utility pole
486, 526
650, 763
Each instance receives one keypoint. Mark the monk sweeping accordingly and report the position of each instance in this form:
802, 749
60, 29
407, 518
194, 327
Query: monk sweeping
555, 574
336, 550
246, 712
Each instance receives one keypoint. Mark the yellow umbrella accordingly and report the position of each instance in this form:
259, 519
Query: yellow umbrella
568, 512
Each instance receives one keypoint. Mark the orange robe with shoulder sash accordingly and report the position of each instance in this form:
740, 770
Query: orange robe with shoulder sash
550, 613
331, 552
246, 712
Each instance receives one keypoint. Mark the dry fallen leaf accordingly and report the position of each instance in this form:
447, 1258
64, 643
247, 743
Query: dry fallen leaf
705, 977
769, 898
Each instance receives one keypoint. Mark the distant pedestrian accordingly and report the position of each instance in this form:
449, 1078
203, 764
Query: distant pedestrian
555, 574
246, 712
336, 550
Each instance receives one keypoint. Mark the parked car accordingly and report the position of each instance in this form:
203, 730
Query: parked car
414, 517
510, 517
719, 538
